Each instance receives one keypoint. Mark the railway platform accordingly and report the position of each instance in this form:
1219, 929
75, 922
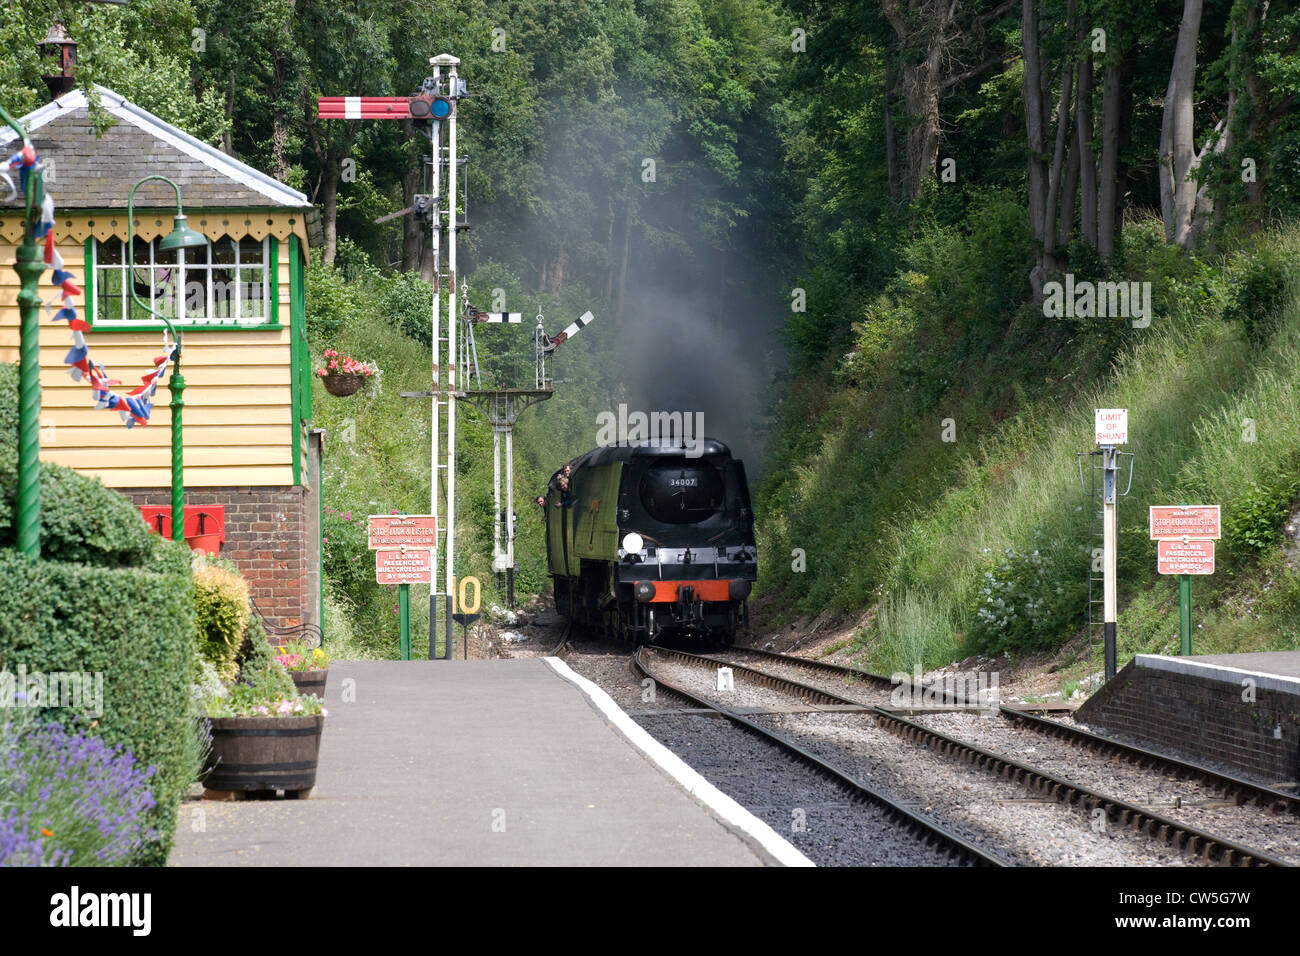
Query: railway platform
1241, 711
503, 762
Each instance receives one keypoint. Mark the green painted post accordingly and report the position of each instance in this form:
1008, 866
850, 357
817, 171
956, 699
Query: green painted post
29, 267
29, 264
1185, 614
180, 238
176, 382
404, 611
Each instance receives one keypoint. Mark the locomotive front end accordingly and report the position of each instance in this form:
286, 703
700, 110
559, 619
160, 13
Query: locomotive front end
687, 558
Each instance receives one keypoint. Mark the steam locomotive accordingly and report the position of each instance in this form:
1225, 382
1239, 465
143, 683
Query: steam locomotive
645, 541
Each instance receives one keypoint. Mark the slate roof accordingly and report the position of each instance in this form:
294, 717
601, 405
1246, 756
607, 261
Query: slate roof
97, 173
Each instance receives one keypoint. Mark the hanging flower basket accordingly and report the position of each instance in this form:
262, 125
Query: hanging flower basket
342, 374
342, 384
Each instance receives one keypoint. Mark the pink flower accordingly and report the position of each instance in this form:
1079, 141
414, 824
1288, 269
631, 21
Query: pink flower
284, 707
348, 516
261, 710
324, 712
297, 706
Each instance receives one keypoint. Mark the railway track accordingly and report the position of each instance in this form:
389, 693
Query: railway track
1233, 787
1178, 835
925, 831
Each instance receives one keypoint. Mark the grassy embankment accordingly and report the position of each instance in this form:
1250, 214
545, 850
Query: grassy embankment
983, 545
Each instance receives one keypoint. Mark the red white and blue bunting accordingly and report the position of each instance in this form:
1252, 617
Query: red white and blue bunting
135, 406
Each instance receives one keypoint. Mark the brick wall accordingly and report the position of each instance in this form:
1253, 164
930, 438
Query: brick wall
1203, 717
267, 535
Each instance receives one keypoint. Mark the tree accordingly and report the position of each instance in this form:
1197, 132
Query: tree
1178, 157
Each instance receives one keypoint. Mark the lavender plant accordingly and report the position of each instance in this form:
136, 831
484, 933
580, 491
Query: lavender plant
66, 797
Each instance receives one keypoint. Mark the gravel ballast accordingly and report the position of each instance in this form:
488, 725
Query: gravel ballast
989, 811
1189, 801
815, 815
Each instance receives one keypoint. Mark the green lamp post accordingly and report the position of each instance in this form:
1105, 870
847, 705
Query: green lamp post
29, 266
181, 237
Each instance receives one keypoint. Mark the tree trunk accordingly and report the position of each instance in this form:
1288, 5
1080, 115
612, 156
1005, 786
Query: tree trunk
279, 114
227, 146
1083, 149
923, 108
628, 212
1177, 147
1110, 192
1257, 120
329, 189
413, 233
891, 138
1054, 177
1036, 141
1069, 191
609, 249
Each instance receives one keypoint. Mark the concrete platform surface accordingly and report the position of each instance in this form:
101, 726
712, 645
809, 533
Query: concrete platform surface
467, 763
1280, 663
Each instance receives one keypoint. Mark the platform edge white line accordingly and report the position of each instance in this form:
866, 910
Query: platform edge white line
718, 802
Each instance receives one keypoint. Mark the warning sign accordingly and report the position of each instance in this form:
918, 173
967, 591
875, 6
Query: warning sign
398, 566
1185, 557
1111, 426
1184, 521
393, 531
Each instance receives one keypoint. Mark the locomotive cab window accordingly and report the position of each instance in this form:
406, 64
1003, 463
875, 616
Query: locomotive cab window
226, 281
682, 493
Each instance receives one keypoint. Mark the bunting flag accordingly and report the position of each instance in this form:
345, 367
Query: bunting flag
135, 406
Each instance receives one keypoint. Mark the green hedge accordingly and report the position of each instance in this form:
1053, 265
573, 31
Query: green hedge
81, 520
133, 625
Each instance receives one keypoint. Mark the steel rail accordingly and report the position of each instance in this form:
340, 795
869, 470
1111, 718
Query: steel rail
1181, 836
928, 832
1234, 787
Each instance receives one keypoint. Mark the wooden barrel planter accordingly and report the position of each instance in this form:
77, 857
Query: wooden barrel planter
310, 682
342, 384
263, 753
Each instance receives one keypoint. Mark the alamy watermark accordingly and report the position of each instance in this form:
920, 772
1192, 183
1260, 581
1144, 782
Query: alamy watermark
965, 690
634, 428
1100, 300
78, 690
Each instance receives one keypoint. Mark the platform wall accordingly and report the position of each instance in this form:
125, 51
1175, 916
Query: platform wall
1205, 718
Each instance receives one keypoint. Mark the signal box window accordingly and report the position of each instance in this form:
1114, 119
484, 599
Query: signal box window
225, 282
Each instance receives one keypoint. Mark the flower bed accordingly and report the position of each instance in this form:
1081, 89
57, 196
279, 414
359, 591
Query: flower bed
67, 798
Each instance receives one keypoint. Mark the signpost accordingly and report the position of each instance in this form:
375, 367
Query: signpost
1185, 536
393, 531
1111, 426
1185, 557
1111, 429
1175, 522
403, 566
404, 547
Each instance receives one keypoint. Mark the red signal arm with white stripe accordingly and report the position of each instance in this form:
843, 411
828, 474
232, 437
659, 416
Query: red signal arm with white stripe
364, 107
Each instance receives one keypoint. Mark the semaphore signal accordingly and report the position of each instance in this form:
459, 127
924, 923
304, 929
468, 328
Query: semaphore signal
435, 104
